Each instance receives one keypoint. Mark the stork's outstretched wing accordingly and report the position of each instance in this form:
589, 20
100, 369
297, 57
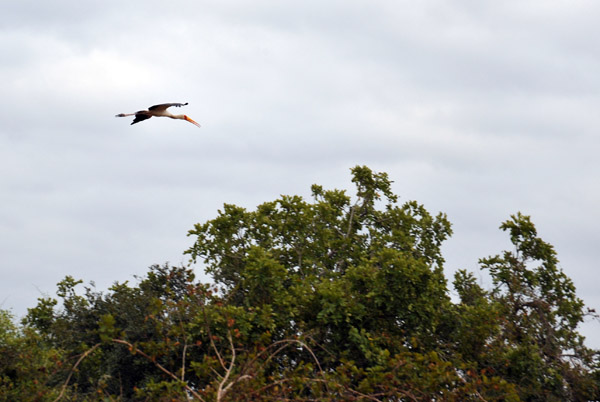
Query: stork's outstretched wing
164, 106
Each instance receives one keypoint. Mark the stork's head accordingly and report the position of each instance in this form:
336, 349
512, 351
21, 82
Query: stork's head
190, 120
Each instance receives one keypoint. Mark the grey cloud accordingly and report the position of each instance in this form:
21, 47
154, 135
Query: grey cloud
475, 109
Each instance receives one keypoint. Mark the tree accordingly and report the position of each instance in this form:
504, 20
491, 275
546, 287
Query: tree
337, 298
539, 309
348, 266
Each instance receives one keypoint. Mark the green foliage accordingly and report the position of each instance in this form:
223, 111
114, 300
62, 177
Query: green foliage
336, 298
27, 366
540, 312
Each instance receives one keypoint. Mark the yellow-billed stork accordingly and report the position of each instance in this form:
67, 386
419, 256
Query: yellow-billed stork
158, 111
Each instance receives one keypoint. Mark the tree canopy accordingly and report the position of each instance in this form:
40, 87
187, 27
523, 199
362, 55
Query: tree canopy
328, 299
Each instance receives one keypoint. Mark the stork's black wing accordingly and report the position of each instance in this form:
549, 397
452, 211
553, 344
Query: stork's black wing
164, 106
141, 116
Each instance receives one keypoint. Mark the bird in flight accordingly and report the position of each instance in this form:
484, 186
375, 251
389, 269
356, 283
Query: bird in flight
158, 111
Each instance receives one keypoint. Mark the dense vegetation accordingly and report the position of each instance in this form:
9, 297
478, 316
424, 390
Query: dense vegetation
340, 298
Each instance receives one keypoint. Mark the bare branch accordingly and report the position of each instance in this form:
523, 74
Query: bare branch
221, 391
183, 360
83, 356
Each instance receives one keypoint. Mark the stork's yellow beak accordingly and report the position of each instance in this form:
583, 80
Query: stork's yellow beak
191, 121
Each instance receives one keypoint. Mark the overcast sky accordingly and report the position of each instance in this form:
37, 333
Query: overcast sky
478, 109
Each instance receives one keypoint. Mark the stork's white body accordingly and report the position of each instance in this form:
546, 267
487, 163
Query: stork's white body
158, 111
